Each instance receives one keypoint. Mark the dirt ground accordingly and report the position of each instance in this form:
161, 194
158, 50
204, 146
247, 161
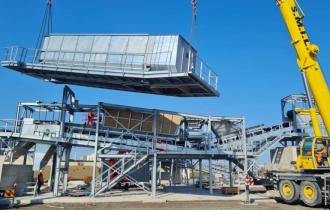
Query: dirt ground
205, 205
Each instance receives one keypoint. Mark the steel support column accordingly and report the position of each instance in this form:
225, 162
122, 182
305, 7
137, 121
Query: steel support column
154, 130
186, 173
66, 169
200, 173
154, 176
231, 181
171, 172
247, 190
18, 110
96, 146
209, 135
192, 172
52, 172
159, 172
210, 178
154, 163
57, 170
25, 158
210, 161
12, 149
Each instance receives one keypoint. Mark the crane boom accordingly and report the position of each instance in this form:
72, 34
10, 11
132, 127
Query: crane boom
307, 62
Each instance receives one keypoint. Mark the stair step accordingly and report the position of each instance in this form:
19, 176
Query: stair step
119, 176
28, 193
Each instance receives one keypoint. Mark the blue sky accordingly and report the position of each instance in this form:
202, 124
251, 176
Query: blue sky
245, 42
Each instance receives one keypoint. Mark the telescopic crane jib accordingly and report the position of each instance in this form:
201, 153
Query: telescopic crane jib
315, 82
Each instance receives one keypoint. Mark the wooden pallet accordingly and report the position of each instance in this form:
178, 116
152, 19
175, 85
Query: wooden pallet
230, 190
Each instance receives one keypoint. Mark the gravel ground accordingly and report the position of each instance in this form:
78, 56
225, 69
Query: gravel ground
205, 205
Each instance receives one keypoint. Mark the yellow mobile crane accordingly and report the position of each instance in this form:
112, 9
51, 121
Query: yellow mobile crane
309, 180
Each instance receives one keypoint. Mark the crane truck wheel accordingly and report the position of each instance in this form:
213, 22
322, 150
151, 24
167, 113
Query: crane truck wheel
289, 191
310, 193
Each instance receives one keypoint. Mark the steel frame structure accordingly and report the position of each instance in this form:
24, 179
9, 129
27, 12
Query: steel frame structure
56, 124
200, 138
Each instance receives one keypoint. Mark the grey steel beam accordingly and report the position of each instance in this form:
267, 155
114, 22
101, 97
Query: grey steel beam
154, 130
210, 177
57, 170
154, 176
231, 181
159, 172
246, 175
96, 146
200, 173
192, 172
67, 153
171, 172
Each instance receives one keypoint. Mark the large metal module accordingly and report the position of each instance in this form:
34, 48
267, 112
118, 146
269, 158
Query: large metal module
157, 64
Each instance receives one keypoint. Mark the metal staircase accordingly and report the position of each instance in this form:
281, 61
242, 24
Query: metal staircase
31, 188
265, 145
42, 154
259, 139
122, 165
20, 149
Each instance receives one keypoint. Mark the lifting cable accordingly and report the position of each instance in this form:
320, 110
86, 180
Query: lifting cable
300, 9
193, 29
47, 24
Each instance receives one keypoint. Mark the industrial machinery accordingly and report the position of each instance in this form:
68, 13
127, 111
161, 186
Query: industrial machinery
164, 65
308, 179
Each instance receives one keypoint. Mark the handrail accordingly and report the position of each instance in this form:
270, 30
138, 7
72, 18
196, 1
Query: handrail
257, 132
118, 169
9, 125
97, 59
257, 147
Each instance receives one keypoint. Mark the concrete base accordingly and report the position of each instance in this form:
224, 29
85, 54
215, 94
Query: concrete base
19, 174
137, 196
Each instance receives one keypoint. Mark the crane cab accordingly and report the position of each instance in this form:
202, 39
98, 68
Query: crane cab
314, 154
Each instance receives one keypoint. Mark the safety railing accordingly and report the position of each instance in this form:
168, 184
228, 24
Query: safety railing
10, 125
100, 62
71, 59
142, 141
130, 138
109, 136
103, 179
257, 140
15, 126
7, 128
258, 132
114, 173
205, 73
